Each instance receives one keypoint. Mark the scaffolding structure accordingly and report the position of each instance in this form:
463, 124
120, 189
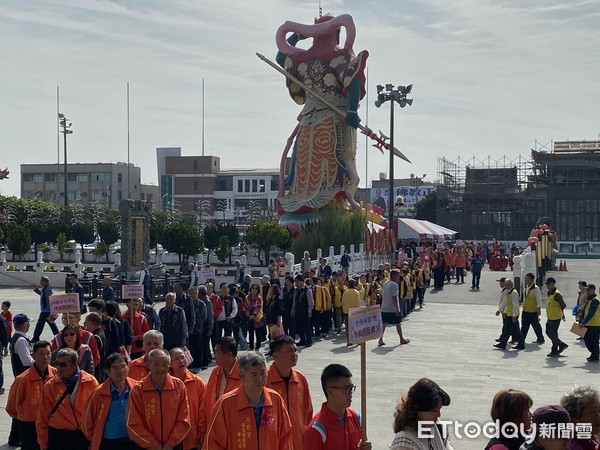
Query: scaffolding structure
504, 198
484, 198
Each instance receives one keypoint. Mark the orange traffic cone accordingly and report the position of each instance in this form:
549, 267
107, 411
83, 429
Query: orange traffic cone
561, 266
565, 266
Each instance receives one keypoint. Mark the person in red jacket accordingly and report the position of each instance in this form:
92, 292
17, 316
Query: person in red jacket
104, 416
138, 327
24, 396
252, 416
85, 337
291, 385
336, 426
63, 400
157, 413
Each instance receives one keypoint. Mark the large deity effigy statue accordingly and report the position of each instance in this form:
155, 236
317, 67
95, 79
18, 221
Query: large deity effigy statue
328, 80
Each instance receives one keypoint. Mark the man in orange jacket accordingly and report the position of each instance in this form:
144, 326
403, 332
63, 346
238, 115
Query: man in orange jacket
195, 388
59, 418
252, 416
225, 376
138, 368
104, 416
291, 385
25, 393
157, 412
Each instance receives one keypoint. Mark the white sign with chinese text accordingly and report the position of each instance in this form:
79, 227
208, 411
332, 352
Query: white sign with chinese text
364, 324
64, 303
133, 291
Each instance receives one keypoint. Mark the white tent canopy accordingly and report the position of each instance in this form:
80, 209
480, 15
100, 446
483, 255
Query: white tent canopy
422, 229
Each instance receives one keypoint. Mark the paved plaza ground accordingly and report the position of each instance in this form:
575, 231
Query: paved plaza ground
451, 343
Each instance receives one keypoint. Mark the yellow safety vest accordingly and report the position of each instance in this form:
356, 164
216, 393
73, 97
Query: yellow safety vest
594, 321
553, 309
509, 306
530, 302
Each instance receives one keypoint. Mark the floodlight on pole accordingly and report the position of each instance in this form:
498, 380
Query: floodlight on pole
396, 95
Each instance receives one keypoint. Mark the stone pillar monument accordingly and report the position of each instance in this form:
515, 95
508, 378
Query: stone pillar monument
135, 235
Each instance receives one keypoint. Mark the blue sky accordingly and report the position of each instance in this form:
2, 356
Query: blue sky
490, 77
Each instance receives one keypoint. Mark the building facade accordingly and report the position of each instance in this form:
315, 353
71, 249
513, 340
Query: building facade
198, 184
105, 183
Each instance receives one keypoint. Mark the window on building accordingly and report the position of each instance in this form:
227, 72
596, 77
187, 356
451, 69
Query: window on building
240, 186
120, 178
97, 196
262, 186
81, 177
246, 185
37, 177
223, 186
274, 184
120, 194
100, 176
254, 185
195, 185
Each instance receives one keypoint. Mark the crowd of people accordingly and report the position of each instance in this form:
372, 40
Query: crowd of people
127, 380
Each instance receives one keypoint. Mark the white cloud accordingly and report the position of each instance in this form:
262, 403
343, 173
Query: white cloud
490, 77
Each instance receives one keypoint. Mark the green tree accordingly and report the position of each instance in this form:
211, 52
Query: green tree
264, 234
211, 238
426, 207
158, 223
19, 240
223, 251
183, 239
336, 226
101, 250
61, 244
109, 229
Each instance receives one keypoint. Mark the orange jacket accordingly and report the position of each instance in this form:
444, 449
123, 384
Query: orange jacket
65, 417
139, 327
86, 338
461, 261
155, 418
138, 370
213, 387
195, 387
96, 412
297, 400
25, 394
232, 425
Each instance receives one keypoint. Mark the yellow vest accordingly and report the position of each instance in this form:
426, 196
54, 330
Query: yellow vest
594, 321
337, 298
553, 309
509, 306
530, 302
322, 299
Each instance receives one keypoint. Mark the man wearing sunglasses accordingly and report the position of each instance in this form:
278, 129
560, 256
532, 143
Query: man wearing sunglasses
59, 418
336, 426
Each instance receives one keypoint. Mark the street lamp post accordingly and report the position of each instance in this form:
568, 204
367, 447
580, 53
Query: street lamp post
394, 94
65, 123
